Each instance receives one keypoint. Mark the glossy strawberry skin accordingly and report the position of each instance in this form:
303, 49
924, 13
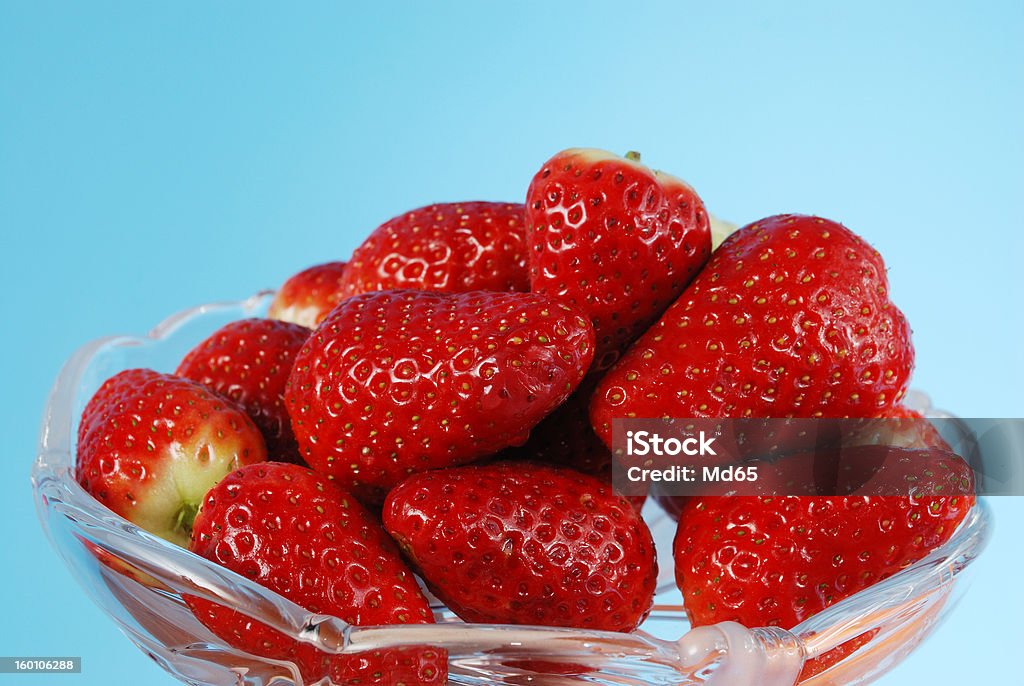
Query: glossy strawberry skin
615, 239
306, 297
293, 531
448, 248
150, 445
396, 382
526, 543
790, 318
249, 361
775, 561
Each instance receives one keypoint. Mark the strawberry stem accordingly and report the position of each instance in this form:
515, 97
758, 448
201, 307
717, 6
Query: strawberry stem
633, 155
186, 517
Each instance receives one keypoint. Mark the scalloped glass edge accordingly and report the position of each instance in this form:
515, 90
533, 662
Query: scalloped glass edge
138, 579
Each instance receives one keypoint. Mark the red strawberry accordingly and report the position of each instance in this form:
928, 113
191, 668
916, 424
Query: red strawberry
790, 318
396, 382
301, 536
526, 543
770, 561
308, 296
151, 445
249, 362
449, 248
615, 239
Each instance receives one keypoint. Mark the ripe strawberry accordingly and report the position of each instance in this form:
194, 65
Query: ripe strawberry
449, 248
151, 445
249, 362
790, 318
617, 240
401, 381
771, 561
307, 297
526, 543
298, 534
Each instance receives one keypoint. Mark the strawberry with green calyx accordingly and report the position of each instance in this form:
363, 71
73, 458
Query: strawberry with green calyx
151, 445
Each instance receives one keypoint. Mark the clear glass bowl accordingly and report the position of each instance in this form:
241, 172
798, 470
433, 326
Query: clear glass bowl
138, 580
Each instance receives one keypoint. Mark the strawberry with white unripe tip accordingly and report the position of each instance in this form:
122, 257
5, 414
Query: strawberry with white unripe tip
151, 445
615, 239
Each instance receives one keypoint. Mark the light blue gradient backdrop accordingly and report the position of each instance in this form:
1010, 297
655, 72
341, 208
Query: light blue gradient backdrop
153, 157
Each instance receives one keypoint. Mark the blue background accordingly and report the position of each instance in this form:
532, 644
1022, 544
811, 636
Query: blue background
153, 157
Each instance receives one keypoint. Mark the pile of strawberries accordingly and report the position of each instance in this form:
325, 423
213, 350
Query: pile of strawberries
440, 406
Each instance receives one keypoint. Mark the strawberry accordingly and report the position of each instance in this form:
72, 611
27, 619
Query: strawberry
774, 561
449, 248
249, 361
307, 297
523, 543
395, 382
617, 240
298, 534
790, 318
151, 445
